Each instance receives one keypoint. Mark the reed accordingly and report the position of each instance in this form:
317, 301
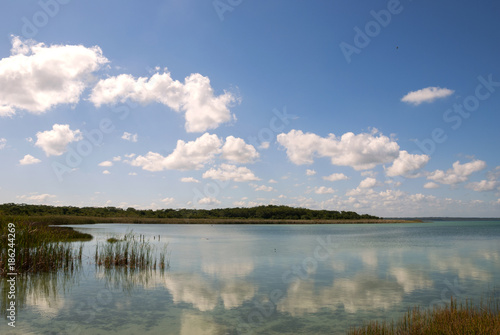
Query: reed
38, 247
456, 318
131, 251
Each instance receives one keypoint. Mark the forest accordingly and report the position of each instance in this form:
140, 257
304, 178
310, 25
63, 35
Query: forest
272, 212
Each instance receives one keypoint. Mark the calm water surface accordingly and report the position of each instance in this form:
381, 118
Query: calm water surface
266, 279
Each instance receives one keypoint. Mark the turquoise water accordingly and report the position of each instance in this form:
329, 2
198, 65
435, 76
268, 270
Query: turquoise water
266, 279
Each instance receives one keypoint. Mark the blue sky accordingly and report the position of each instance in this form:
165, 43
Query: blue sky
381, 107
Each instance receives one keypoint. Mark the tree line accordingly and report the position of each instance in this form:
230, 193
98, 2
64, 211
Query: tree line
260, 212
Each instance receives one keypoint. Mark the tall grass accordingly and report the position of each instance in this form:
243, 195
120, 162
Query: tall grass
39, 248
453, 319
131, 251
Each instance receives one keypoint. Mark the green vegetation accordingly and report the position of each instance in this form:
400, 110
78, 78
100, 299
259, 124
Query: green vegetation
463, 318
131, 252
59, 215
38, 247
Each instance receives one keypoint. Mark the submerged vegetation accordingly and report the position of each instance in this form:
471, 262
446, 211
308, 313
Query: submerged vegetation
59, 215
453, 319
29, 247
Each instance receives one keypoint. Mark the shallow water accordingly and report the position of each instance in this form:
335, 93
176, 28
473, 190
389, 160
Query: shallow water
265, 279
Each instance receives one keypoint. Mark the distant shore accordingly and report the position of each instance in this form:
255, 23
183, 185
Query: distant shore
75, 220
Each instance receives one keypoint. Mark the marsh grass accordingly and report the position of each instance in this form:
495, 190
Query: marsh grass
131, 251
39, 248
453, 319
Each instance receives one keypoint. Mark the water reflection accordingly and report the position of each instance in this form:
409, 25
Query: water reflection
196, 324
228, 269
463, 267
126, 279
216, 282
202, 292
205, 294
411, 279
369, 258
363, 292
44, 292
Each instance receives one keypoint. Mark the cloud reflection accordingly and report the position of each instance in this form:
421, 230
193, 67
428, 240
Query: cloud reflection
411, 279
463, 267
362, 292
204, 294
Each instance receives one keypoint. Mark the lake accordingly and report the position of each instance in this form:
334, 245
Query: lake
265, 279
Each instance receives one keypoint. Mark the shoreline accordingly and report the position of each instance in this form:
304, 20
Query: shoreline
77, 220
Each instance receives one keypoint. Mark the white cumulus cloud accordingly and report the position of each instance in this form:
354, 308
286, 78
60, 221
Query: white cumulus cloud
264, 145
195, 154
237, 151
54, 142
336, 177
310, 172
361, 152
428, 94
36, 197
431, 185
458, 173
209, 201
168, 201
192, 155
195, 97
483, 185
130, 137
106, 163
407, 163
3, 143
231, 172
28, 160
323, 190
368, 183
36, 77
264, 188
189, 180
